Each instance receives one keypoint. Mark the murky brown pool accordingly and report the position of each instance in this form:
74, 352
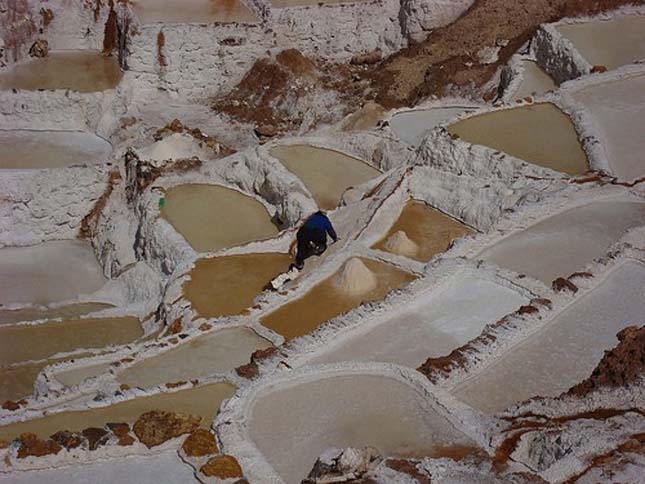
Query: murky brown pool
70, 311
540, 134
325, 301
534, 82
292, 425
214, 353
84, 71
325, 173
192, 11
428, 228
227, 285
212, 217
203, 401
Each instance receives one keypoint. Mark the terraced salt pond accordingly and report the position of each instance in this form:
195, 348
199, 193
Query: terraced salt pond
227, 285
618, 109
49, 272
215, 353
567, 350
538, 133
203, 401
83, 71
37, 313
534, 81
610, 43
51, 149
412, 126
566, 242
191, 11
325, 173
292, 424
327, 300
433, 325
212, 217
302, 3
430, 231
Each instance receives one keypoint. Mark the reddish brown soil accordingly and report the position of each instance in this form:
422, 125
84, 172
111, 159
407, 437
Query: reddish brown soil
89, 223
408, 467
620, 366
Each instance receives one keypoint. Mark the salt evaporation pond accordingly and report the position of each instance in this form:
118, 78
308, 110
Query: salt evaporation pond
163, 467
191, 11
83, 71
293, 424
227, 285
51, 149
48, 272
215, 353
212, 217
610, 43
412, 126
325, 301
567, 350
618, 109
203, 401
303, 3
326, 173
566, 242
534, 81
70, 311
428, 228
538, 133
433, 325
76, 376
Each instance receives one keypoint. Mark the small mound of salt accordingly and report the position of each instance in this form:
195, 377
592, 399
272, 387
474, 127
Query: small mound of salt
399, 243
355, 278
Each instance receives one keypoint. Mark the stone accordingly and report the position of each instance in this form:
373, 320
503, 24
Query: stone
96, 437
67, 439
125, 441
10, 405
32, 446
266, 131
156, 427
598, 69
39, 49
562, 284
222, 466
200, 443
120, 429
176, 126
367, 59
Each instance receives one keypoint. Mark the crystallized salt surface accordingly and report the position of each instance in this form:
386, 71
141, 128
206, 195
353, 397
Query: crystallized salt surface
436, 323
214, 353
177, 146
48, 272
191, 11
564, 243
203, 401
212, 217
326, 300
567, 350
538, 133
325, 173
534, 81
618, 109
293, 425
166, 467
36, 313
51, 149
610, 43
75, 376
84, 71
412, 126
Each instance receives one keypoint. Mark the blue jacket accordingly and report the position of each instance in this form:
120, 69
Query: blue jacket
320, 221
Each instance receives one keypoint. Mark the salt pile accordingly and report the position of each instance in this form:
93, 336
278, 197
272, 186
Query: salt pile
174, 147
355, 278
400, 243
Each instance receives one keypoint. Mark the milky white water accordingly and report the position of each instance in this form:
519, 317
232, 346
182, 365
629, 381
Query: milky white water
70, 311
433, 325
566, 242
48, 272
567, 350
610, 43
534, 81
412, 126
618, 110
51, 149
538, 133
292, 425
217, 352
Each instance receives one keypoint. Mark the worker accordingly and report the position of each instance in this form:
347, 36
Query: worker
312, 238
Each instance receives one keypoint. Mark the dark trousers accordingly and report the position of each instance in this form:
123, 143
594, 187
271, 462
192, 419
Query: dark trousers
311, 241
